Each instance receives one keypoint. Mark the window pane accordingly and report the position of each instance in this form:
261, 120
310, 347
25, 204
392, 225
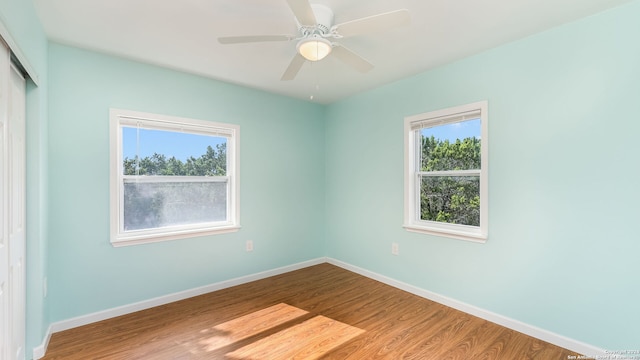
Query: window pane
450, 199
158, 152
451, 146
151, 205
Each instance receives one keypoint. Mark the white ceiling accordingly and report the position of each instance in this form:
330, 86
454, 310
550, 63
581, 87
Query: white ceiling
182, 35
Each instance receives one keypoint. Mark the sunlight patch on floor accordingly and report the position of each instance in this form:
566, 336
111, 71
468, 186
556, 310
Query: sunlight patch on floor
308, 340
249, 325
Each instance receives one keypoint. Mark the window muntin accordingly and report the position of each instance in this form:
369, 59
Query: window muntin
174, 177
446, 172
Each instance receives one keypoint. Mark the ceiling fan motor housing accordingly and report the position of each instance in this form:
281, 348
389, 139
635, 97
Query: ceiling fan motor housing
324, 21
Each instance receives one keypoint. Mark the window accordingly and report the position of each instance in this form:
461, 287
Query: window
446, 167
171, 177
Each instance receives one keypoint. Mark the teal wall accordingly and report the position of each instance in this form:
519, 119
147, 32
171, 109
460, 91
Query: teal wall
563, 247
281, 183
19, 18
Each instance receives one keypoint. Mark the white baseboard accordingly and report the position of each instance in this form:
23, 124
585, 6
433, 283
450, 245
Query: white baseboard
533, 331
40, 350
550, 337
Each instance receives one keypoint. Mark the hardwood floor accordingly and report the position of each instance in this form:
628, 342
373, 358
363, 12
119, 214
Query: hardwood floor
320, 312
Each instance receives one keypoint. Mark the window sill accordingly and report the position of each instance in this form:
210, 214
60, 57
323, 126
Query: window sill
473, 235
138, 239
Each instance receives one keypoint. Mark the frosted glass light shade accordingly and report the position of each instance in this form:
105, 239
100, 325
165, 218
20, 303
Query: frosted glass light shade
314, 49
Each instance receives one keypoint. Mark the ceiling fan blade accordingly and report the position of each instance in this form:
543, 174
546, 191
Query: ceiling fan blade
253, 38
352, 59
303, 12
293, 68
374, 23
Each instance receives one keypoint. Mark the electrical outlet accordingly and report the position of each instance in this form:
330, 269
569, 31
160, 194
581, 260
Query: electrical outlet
395, 249
249, 245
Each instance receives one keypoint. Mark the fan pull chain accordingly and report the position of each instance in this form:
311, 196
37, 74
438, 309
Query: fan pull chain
316, 87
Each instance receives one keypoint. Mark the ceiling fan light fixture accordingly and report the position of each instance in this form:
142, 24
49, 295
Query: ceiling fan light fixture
314, 48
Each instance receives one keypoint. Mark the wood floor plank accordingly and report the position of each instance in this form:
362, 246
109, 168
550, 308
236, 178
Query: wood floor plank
320, 312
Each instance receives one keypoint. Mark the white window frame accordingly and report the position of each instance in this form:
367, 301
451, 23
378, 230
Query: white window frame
120, 118
412, 153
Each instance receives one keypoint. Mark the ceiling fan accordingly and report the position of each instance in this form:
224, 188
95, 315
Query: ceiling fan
316, 30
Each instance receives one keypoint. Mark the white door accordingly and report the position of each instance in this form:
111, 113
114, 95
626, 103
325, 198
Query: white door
17, 214
13, 238
4, 233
